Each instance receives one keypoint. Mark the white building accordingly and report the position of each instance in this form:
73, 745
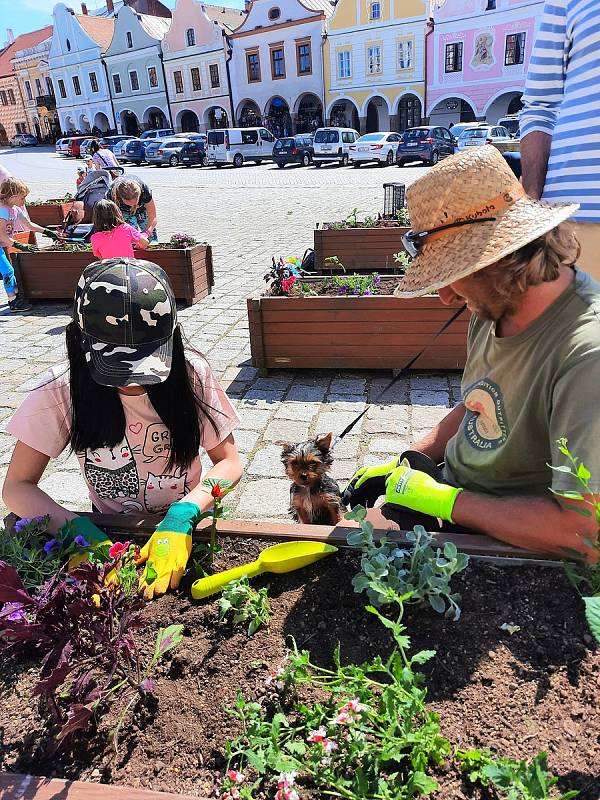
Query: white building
277, 65
79, 42
135, 71
195, 54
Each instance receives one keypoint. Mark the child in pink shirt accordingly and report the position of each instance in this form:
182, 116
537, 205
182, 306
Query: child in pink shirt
114, 238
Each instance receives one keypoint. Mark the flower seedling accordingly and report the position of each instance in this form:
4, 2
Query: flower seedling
182, 241
282, 276
29, 551
417, 571
219, 487
247, 605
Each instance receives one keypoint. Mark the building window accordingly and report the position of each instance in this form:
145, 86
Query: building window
274, 13
344, 64
11, 97
490, 5
117, 84
515, 49
178, 78
61, 88
93, 82
277, 62
303, 58
374, 59
406, 48
28, 90
375, 10
3, 98
253, 66
215, 81
68, 46
133, 80
49, 86
196, 84
76, 85
454, 57
129, 40
38, 88
190, 36
152, 77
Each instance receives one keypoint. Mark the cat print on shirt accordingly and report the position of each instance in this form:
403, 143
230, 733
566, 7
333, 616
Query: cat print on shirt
112, 472
162, 490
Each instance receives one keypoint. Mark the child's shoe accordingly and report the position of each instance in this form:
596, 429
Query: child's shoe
18, 304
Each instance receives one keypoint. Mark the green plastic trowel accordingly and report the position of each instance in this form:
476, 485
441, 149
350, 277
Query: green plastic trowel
279, 558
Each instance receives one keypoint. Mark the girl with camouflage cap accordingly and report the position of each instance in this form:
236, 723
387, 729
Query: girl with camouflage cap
136, 406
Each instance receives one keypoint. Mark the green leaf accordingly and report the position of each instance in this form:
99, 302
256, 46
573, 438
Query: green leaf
422, 783
423, 656
167, 639
437, 603
358, 513
583, 473
151, 574
592, 614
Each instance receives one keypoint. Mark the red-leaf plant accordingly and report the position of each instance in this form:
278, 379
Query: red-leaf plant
82, 625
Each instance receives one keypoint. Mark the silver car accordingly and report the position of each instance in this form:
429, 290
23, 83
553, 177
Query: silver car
119, 151
483, 134
165, 151
62, 146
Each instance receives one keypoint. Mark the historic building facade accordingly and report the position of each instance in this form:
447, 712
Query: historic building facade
477, 58
32, 72
196, 57
375, 64
277, 65
135, 71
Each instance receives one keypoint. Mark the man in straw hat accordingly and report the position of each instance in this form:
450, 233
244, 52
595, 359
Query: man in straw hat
532, 371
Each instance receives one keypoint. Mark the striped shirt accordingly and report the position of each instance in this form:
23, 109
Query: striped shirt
562, 98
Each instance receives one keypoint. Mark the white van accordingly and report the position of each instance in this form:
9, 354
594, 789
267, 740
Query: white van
236, 145
332, 144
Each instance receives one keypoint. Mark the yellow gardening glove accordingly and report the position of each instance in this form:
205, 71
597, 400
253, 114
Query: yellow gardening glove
167, 551
82, 532
418, 491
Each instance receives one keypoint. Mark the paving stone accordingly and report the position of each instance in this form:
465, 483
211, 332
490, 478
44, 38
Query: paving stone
346, 402
267, 497
388, 444
421, 383
267, 462
260, 400
287, 430
306, 394
68, 489
240, 373
335, 421
272, 383
388, 424
429, 398
343, 470
300, 411
428, 416
253, 419
347, 447
348, 386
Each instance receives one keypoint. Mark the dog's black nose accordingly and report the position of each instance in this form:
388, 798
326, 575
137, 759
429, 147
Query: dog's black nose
303, 475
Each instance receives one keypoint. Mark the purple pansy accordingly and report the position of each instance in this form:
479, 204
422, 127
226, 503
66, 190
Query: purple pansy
50, 545
80, 541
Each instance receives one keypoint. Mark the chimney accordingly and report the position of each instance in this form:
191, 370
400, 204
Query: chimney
10, 36
110, 6
84, 9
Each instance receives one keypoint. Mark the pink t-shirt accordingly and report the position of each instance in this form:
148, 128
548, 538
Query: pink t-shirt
133, 475
117, 243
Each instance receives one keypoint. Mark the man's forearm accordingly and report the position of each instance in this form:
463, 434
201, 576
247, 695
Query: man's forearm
535, 151
434, 444
536, 523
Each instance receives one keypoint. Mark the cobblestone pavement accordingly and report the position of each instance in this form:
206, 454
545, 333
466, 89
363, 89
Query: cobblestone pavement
247, 215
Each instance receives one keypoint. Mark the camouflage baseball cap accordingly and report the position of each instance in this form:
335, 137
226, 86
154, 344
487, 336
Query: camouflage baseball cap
126, 311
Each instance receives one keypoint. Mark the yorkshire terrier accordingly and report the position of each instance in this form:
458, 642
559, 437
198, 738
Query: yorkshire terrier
315, 498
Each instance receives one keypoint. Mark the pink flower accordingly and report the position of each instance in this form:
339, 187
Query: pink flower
287, 283
117, 549
318, 736
232, 794
235, 776
343, 718
286, 779
354, 707
287, 794
329, 746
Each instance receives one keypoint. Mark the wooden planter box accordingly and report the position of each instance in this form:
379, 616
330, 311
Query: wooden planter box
373, 332
359, 248
53, 275
48, 213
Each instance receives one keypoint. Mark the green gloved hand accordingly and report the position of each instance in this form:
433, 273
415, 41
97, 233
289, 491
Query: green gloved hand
82, 532
368, 484
168, 549
420, 492
51, 234
25, 248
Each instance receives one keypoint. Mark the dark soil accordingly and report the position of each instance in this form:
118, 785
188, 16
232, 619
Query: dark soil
324, 288
537, 689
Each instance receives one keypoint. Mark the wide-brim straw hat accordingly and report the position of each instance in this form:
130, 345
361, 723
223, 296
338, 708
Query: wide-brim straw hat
473, 184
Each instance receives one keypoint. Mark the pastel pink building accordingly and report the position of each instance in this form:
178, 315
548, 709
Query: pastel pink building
477, 58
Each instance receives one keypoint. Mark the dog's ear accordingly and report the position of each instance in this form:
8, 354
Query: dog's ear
324, 442
286, 448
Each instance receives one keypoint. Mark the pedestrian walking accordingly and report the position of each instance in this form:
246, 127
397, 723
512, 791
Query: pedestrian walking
560, 121
103, 158
113, 237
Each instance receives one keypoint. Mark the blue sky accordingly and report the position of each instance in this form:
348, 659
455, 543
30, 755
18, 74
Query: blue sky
27, 15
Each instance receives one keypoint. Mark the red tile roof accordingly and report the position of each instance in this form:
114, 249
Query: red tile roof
22, 42
100, 29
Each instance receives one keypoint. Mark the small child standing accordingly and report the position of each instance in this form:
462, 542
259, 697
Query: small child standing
113, 237
12, 218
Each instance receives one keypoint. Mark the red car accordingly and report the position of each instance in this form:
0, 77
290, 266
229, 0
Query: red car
74, 148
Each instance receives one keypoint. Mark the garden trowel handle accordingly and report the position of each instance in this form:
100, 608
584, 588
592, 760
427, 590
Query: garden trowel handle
214, 583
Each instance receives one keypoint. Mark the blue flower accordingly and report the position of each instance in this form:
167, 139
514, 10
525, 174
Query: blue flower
22, 523
80, 541
50, 545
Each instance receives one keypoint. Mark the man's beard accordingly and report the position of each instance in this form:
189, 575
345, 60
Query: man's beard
493, 305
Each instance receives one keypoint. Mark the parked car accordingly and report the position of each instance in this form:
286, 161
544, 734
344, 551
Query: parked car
333, 144
193, 152
62, 146
84, 147
459, 127
425, 143
293, 150
23, 140
158, 133
164, 151
512, 125
192, 137
74, 147
119, 149
378, 147
108, 142
135, 150
236, 145
484, 134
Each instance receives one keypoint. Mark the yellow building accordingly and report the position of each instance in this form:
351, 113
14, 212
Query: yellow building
374, 64
32, 72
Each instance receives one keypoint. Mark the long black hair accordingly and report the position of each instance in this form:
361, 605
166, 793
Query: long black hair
98, 418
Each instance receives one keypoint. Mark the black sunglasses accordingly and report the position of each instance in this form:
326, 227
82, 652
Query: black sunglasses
413, 240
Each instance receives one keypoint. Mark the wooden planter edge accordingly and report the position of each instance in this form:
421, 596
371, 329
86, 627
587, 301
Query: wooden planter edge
17, 786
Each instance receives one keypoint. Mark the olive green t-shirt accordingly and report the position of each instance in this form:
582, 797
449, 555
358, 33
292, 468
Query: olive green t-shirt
523, 392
